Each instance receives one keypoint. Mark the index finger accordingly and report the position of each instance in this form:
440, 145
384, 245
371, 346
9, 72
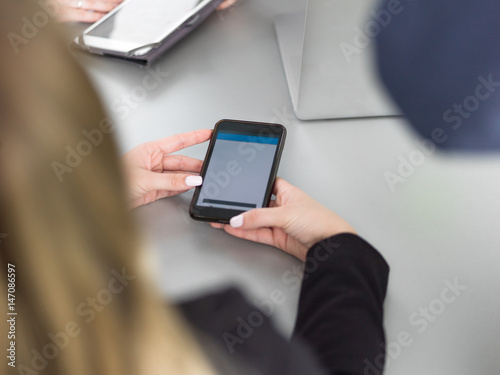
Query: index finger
100, 5
179, 141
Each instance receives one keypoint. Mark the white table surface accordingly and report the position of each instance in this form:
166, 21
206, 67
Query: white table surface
439, 224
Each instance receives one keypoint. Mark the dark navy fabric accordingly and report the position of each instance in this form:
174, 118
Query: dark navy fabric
440, 60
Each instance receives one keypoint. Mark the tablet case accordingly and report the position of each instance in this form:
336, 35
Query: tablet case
158, 48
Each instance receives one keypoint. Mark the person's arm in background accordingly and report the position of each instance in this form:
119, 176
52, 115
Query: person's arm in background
439, 60
93, 10
340, 313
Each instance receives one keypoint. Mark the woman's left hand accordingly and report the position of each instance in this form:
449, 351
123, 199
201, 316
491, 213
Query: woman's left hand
226, 4
93, 10
85, 10
153, 174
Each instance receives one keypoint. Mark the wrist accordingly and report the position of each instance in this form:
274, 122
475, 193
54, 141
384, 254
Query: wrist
330, 230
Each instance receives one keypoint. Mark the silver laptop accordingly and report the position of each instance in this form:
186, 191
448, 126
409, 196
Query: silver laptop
329, 64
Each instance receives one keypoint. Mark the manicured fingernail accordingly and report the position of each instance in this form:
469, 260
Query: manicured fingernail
236, 221
194, 180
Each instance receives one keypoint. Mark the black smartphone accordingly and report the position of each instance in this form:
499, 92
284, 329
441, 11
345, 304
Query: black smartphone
239, 169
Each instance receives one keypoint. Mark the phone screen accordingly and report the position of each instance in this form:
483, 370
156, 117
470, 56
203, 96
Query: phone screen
143, 21
241, 167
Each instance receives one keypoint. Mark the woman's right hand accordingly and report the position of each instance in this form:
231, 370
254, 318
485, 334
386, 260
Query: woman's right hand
93, 10
85, 10
294, 222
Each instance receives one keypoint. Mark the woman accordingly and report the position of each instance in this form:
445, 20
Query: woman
72, 254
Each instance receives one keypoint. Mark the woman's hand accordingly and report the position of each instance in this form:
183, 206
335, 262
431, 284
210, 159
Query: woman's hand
85, 10
153, 174
226, 4
293, 223
93, 10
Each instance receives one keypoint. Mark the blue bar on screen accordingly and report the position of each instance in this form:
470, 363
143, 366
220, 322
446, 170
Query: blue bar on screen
248, 138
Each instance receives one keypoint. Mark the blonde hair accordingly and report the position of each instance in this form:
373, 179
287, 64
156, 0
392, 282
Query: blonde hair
70, 237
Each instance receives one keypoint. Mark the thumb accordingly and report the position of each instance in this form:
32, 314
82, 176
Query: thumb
260, 218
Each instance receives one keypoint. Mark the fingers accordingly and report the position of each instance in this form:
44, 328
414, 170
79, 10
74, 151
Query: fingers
261, 235
103, 6
79, 15
226, 4
260, 218
272, 216
181, 163
179, 141
99, 5
85, 10
178, 182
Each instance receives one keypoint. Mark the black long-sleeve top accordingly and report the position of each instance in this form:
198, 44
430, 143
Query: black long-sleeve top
339, 326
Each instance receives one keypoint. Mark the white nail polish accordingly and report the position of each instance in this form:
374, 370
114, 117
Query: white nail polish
194, 180
236, 221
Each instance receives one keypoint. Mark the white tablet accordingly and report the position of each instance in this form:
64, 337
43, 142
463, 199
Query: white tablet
137, 26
